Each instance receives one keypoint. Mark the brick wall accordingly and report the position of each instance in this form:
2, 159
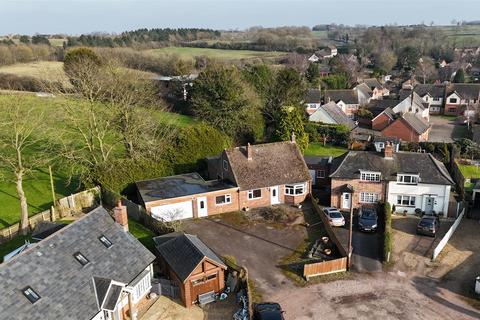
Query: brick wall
358, 187
381, 122
403, 131
264, 201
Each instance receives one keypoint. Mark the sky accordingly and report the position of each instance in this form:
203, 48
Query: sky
87, 16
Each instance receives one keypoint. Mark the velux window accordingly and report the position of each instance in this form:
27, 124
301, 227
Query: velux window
30, 294
81, 258
105, 241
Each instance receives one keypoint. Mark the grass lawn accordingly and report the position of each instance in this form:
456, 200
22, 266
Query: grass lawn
11, 245
190, 53
469, 171
175, 119
317, 149
143, 234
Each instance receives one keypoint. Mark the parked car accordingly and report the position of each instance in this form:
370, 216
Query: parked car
428, 225
334, 217
268, 311
367, 219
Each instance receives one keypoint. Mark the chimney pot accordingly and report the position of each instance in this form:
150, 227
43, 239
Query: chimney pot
249, 152
120, 215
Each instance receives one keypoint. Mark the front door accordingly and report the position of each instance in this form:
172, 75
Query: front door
346, 200
202, 206
274, 198
429, 205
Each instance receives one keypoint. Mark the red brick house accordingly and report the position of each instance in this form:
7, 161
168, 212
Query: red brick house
319, 169
244, 177
462, 98
383, 119
191, 264
408, 127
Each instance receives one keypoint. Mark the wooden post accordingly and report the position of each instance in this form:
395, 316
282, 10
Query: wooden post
52, 185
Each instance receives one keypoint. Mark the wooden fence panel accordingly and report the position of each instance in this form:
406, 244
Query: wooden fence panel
325, 267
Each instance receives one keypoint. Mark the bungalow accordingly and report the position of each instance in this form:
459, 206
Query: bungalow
330, 113
347, 100
92, 269
244, 177
462, 99
408, 180
191, 265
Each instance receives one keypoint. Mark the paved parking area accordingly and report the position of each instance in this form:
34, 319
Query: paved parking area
446, 130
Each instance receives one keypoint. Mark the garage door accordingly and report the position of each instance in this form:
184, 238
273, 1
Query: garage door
313, 176
176, 211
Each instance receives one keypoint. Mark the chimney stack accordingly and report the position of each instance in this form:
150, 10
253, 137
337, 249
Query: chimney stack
293, 137
249, 152
120, 215
388, 151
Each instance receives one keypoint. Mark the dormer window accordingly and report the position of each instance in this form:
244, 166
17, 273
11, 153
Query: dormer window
31, 295
408, 178
105, 241
81, 258
370, 176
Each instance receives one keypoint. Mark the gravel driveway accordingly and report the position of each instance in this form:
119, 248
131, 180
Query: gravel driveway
446, 130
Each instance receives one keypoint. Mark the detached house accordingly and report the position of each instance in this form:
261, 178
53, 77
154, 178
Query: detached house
244, 177
346, 100
378, 90
407, 180
462, 99
327, 53
313, 100
433, 94
330, 113
92, 269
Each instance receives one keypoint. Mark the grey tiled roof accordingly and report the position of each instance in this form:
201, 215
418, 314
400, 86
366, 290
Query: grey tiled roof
66, 288
183, 252
378, 106
436, 91
373, 83
313, 96
272, 164
465, 90
432, 171
348, 96
418, 124
336, 114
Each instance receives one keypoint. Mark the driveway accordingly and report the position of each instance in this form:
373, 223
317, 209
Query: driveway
446, 130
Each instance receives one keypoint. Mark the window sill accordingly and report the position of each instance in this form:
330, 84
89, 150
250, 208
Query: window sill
222, 204
250, 199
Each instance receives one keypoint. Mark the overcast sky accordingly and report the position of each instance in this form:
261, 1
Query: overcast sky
85, 16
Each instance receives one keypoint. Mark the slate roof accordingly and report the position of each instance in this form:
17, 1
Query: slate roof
364, 88
272, 164
378, 106
436, 91
465, 90
348, 96
183, 252
416, 123
373, 83
177, 186
432, 171
336, 114
313, 96
317, 160
66, 288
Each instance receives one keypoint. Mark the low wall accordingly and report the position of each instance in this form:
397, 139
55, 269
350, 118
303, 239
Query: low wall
325, 267
447, 236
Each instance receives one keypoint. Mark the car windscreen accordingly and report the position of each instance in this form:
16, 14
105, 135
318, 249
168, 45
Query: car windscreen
335, 214
368, 215
426, 222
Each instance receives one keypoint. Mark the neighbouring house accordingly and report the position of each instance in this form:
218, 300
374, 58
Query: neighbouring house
407, 180
326, 53
376, 107
380, 142
191, 265
346, 100
378, 90
330, 113
364, 93
414, 104
244, 177
383, 119
433, 94
462, 99
319, 169
92, 269
313, 100
408, 127
448, 73
324, 70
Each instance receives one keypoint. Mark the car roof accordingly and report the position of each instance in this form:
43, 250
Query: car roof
330, 209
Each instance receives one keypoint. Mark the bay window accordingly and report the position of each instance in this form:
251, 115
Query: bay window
295, 190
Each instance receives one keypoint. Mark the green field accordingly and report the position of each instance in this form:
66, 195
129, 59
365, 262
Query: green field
37, 185
467, 36
317, 149
43, 70
190, 53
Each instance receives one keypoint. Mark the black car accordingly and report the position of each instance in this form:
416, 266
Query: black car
268, 311
367, 219
428, 226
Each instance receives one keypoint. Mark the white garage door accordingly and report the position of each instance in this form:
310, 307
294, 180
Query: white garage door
176, 211
313, 175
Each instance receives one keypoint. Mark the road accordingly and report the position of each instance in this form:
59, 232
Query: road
446, 130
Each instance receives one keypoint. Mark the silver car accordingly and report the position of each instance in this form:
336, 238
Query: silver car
334, 217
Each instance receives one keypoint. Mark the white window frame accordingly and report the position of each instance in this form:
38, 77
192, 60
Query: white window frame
251, 196
228, 199
408, 199
368, 197
450, 100
414, 178
142, 288
292, 189
320, 174
370, 176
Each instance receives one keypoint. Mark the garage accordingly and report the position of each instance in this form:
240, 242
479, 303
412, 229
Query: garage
174, 211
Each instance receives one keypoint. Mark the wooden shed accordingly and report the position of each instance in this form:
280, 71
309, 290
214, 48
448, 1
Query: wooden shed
191, 264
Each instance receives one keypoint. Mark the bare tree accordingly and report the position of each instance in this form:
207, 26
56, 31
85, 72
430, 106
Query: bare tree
22, 145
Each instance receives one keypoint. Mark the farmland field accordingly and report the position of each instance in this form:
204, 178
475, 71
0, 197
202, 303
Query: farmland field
37, 185
43, 70
190, 53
